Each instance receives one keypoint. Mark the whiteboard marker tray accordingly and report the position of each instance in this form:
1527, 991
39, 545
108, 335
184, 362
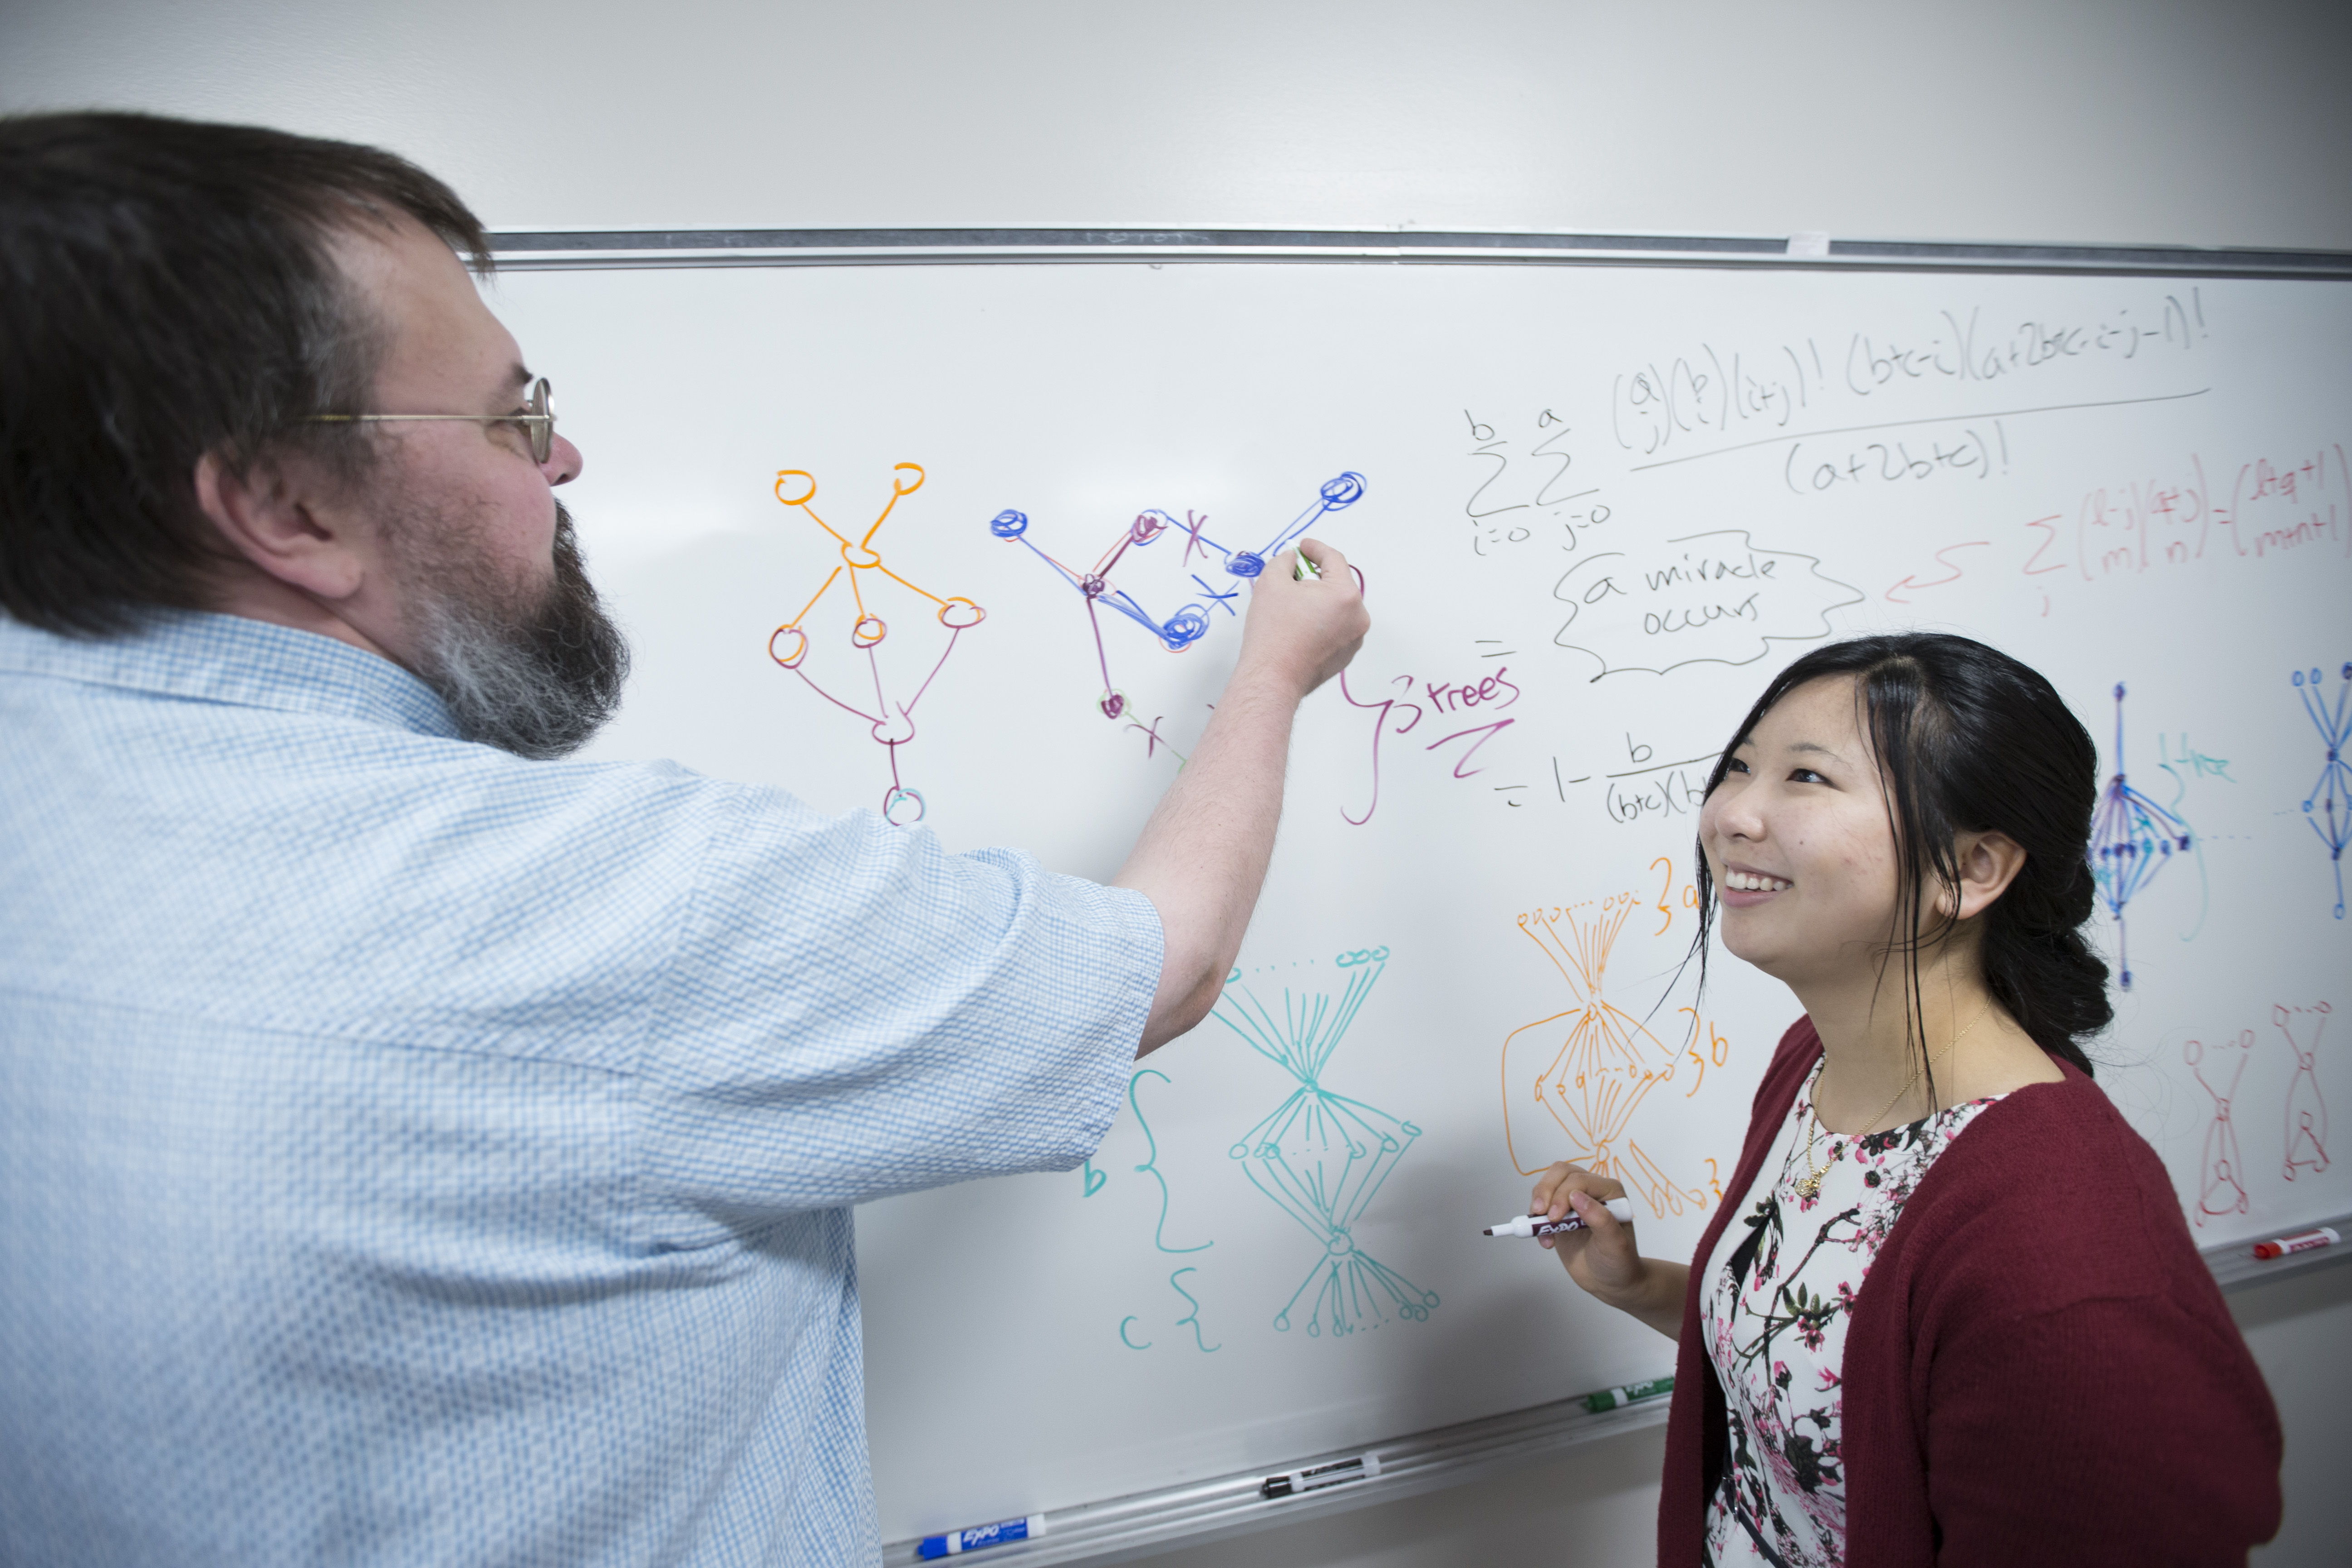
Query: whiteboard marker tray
1121, 1528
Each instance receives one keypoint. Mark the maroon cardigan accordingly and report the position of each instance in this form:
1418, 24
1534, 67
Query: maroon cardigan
2038, 1369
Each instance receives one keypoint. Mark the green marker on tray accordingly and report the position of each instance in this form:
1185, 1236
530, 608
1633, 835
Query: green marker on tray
1609, 1399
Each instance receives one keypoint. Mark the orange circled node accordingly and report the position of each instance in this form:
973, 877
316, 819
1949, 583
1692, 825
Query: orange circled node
869, 630
788, 647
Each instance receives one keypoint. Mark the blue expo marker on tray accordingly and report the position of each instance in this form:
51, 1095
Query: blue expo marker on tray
957, 1541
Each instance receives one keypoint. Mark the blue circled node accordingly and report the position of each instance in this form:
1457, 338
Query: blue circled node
1345, 491
1243, 563
1185, 627
1009, 523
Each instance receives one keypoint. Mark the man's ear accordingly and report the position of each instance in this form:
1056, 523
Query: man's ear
274, 516
1989, 862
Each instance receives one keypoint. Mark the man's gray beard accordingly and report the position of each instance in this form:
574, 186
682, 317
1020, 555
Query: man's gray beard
535, 677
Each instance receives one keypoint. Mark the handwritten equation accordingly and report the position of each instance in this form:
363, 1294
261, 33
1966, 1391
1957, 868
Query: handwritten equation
1701, 402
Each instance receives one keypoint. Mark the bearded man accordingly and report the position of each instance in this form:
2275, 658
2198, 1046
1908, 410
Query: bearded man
418, 1147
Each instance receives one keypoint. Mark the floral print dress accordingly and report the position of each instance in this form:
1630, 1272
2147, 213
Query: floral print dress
1779, 1289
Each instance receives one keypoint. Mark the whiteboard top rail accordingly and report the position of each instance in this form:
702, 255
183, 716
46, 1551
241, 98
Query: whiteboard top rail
599, 249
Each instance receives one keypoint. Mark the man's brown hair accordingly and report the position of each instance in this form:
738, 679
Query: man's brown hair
167, 288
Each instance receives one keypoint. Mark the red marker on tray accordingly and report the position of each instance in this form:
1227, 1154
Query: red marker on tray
2301, 1241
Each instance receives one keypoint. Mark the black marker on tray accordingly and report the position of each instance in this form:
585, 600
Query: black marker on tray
1314, 1478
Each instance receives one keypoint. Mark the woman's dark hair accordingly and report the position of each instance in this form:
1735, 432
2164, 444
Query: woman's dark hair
1969, 740
167, 290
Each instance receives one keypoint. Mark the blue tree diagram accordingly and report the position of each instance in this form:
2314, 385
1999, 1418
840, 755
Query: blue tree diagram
1190, 623
2132, 839
1322, 1157
2328, 809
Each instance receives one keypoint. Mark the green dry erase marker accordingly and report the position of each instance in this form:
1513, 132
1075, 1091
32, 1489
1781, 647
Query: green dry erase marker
1611, 1398
1305, 569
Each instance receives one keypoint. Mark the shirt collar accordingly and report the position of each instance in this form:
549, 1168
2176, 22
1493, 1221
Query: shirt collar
210, 657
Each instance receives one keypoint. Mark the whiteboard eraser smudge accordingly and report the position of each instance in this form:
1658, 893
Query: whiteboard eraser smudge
1810, 242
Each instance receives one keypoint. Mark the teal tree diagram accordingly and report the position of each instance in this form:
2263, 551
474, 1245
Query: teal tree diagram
1321, 1157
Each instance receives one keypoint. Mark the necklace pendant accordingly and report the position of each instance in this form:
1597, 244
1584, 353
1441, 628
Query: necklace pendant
1808, 1187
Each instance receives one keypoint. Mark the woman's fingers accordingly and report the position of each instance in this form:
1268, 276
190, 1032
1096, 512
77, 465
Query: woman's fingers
1606, 1229
1554, 1187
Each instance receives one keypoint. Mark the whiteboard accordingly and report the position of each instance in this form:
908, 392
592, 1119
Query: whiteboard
1595, 509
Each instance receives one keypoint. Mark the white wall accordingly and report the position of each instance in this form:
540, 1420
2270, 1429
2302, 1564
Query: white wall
2206, 121
2224, 122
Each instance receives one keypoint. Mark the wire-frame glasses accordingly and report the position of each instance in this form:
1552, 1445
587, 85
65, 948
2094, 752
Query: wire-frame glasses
537, 423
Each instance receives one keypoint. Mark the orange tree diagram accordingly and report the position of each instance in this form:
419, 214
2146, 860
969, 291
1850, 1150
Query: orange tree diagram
1572, 1082
873, 670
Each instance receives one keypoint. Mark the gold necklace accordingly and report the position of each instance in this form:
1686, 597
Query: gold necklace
1809, 1186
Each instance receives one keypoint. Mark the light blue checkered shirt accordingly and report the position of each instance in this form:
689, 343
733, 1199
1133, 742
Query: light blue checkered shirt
413, 1155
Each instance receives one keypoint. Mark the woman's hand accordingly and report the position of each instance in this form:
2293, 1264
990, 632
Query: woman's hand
1601, 1257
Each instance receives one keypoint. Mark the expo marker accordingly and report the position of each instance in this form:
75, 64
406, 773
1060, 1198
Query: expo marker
2302, 1241
957, 1541
1366, 1468
1620, 1209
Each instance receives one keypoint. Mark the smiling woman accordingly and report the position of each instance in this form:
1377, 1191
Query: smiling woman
1961, 1319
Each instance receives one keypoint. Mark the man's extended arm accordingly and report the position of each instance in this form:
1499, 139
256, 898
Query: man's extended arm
1202, 857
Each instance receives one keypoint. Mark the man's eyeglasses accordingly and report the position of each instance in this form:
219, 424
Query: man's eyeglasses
537, 423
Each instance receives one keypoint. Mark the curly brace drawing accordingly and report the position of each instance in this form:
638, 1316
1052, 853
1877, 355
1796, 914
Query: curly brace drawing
1150, 1166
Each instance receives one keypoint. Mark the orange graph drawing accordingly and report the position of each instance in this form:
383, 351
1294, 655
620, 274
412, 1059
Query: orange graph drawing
1642, 1175
892, 673
1582, 1073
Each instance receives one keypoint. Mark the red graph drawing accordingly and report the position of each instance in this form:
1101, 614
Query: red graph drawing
2221, 1183
2306, 1112
1587, 1069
